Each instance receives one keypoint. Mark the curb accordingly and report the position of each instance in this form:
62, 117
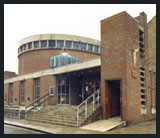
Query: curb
29, 128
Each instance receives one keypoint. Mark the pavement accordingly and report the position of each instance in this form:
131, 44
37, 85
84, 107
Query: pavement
105, 125
148, 127
47, 128
8, 129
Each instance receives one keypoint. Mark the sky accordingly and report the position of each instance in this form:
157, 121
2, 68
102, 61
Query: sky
23, 20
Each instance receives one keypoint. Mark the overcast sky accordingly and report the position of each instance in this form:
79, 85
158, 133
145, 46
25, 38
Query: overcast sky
23, 20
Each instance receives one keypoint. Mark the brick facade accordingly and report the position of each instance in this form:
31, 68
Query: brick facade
37, 60
9, 74
119, 39
6, 87
152, 44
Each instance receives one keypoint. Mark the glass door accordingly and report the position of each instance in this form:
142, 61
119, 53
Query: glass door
63, 90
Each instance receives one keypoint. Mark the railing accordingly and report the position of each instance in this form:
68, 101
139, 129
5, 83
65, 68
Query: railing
35, 103
12, 112
83, 107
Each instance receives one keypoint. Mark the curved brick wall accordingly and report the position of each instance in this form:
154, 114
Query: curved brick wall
37, 60
34, 58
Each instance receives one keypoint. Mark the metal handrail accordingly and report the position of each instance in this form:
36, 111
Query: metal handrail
36, 100
86, 105
35, 105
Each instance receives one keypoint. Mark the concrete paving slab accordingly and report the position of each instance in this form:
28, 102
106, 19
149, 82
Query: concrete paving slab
47, 128
31, 127
104, 125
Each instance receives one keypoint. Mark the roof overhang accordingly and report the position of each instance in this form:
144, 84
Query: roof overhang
59, 70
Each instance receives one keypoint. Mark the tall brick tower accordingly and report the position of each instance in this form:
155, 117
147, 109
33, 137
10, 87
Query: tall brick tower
124, 66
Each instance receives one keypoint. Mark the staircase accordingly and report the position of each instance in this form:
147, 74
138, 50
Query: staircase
60, 114
68, 114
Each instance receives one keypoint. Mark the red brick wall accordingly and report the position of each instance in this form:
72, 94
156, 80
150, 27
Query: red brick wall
117, 42
39, 59
119, 37
113, 57
29, 87
6, 86
45, 83
8, 74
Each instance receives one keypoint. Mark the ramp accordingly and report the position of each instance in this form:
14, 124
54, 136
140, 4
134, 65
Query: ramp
105, 125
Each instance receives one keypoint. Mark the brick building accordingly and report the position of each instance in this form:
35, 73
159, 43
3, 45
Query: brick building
116, 74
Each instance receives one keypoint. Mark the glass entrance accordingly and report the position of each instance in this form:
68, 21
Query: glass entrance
63, 90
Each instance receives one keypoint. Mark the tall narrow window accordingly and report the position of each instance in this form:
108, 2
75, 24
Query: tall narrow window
10, 95
21, 48
22, 92
96, 49
30, 45
63, 90
37, 89
90, 47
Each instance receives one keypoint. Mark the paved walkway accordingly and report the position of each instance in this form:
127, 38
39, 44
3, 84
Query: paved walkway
105, 125
148, 127
47, 128
8, 129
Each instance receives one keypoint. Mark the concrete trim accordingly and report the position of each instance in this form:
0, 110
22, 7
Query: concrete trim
58, 37
59, 70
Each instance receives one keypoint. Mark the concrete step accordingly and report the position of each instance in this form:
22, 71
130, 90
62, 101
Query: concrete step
55, 122
58, 117
63, 115
58, 114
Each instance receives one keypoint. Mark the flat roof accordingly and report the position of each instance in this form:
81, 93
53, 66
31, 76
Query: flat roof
58, 37
59, 70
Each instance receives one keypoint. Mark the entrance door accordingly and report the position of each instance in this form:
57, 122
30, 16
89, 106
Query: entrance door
112, 98
63, 90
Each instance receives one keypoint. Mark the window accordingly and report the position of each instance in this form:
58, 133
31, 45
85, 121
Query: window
51, 43
10, 95
96, 49
68, 44
37, 89
22, 92
76, 45
36, 44
83, 46
21, 48
44, 43
63, 90
60, 43
30, 45
51, 91
90, 47
24, 47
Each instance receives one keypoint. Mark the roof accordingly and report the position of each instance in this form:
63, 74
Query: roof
58, 37
59, 70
